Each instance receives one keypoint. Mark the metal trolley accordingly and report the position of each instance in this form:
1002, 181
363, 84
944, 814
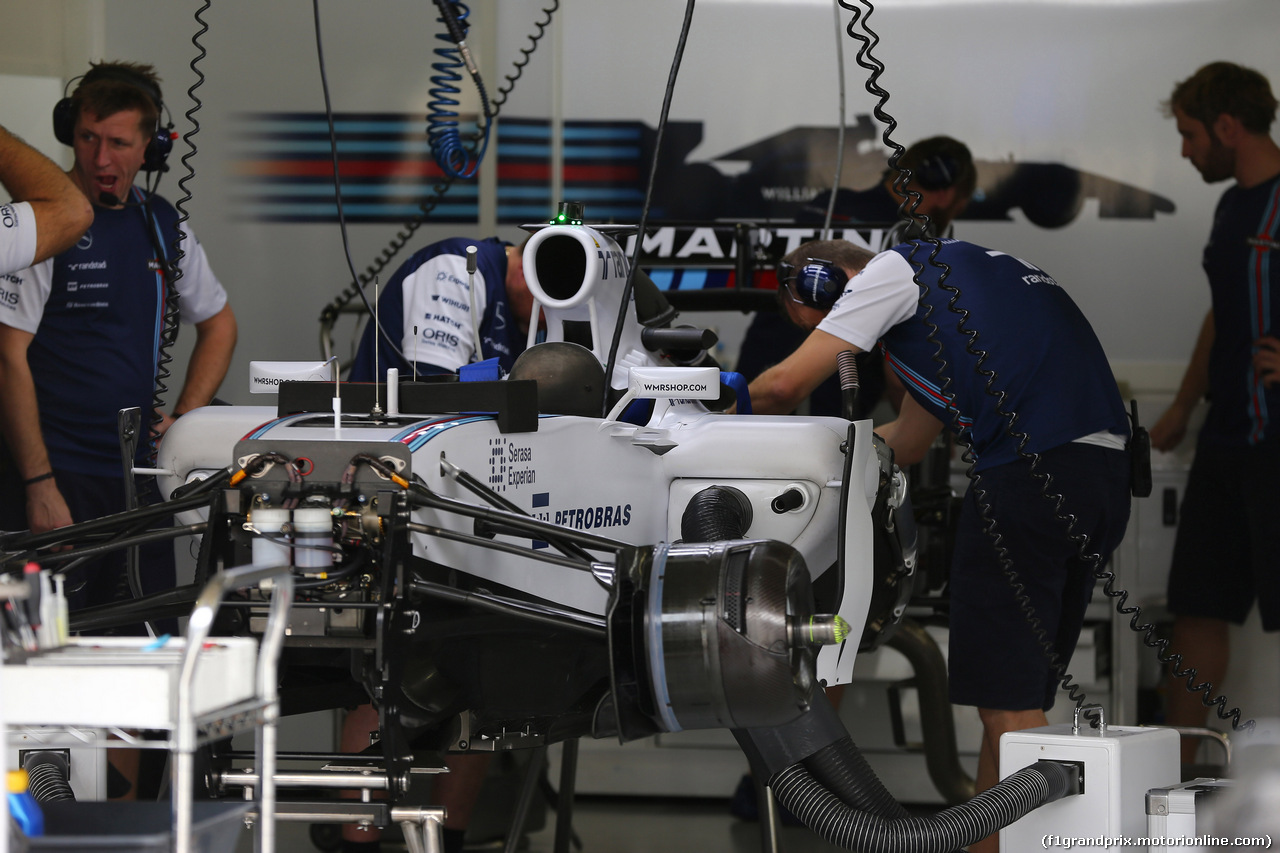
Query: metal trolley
193, 690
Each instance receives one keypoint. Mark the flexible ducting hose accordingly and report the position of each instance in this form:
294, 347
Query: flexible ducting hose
855, 829
842, 770
47, 774
714, 514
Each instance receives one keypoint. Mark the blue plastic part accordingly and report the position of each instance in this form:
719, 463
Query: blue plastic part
481, 371
738, 383
26, 813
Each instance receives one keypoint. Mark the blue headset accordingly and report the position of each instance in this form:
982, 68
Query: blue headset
817, 284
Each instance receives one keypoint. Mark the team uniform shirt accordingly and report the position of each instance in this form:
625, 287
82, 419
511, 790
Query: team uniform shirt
97, 311
1244, 277
1046, 358
17, 241
427, 304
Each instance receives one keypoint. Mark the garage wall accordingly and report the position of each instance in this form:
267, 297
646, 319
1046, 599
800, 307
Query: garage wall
1075, 83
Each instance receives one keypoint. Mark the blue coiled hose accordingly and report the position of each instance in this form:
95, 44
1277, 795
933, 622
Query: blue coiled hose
456, 158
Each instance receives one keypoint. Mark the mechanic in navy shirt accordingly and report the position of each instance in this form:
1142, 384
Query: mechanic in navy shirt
943, 174
425, 311
1043, 356
80, 340
1227, 551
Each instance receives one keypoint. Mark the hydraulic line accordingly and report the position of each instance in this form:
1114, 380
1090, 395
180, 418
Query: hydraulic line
504, 547
107, 524
480, 489
422, 496
592, 626
115, 545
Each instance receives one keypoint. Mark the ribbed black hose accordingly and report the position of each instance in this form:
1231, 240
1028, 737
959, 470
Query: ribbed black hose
847, 365
714, 514
47, 780
841, 769
854, 829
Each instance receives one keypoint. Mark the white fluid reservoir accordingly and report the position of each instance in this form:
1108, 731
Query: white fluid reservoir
312, 538
270, 545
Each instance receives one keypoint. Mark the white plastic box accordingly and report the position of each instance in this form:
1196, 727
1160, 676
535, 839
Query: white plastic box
1121, 764
114, 681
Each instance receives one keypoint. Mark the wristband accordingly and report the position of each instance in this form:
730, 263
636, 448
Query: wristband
48, 475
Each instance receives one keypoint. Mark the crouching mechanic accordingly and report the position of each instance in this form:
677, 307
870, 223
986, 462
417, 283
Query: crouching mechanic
1044, 360
425, 311
425, 314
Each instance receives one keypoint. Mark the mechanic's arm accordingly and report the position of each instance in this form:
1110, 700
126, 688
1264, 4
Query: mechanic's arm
215, 342
782, 387
911, 435
62, 212
20, 419
1171, 428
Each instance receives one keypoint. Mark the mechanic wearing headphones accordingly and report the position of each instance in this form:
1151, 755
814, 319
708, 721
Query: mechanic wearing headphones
48, 212
1044, 360
944, 175
79, 341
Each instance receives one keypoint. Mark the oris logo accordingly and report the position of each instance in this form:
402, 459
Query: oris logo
440, 335
8, 217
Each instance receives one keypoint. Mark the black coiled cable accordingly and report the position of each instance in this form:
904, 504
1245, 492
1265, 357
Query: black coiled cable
869, 39
173, 312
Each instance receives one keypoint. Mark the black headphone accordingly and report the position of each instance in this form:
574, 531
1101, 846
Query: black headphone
161, 142
817, 284
937, 172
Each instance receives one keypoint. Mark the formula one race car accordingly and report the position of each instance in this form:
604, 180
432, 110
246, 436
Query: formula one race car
496, 565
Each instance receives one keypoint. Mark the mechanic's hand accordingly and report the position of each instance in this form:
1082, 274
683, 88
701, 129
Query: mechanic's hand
1168, 432
1266, 360
159, 428
46, 508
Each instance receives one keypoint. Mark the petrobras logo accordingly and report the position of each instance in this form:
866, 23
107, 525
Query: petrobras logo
592, 517
8, 216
